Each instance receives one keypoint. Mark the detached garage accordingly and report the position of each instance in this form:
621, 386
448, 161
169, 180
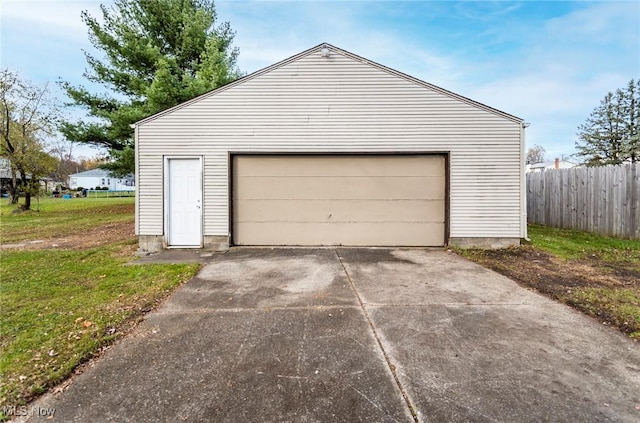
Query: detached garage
328, 148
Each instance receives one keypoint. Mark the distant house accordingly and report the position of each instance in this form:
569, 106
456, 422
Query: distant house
101, 178
6, 177
556, 164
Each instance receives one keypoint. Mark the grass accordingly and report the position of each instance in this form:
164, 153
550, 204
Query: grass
59, 308
109, 194
597, 275
57, 217
572, 245
621, 306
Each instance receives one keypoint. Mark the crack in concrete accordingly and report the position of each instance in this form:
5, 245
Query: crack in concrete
203, 310
387, 359
451, 304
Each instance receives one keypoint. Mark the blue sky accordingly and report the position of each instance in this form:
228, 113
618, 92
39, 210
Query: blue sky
548, 62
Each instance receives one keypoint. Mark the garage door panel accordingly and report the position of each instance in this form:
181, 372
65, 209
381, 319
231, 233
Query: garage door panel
342, 166
338, 200
340, 188
344, 211
348, 234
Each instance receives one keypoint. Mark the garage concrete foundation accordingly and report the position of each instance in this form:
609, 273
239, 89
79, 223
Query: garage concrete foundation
484, 242
150, 243
155, 243
216, 242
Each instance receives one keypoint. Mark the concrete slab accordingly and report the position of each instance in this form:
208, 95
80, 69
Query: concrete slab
174, 256
425, 277
357, 335
516, 363
229, 366
470, 345
267, 278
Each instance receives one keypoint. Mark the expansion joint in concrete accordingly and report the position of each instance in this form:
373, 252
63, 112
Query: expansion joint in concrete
390, 366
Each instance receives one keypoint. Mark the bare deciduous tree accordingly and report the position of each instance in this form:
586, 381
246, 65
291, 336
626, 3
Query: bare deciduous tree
27, 116
535, 154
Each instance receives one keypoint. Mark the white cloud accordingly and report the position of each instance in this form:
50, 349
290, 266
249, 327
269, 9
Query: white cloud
296, 26
571, 62
58, 17
602, 22
554, 106
486, 10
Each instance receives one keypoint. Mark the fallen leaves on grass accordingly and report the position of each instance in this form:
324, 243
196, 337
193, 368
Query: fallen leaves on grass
608, 291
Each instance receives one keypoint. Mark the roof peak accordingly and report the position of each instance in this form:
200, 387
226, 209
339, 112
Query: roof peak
331, 47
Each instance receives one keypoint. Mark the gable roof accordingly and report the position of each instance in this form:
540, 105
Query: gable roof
98, 173
5, 170
92, 173
6, 174
346, 54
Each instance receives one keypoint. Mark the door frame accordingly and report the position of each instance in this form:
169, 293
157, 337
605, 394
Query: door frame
166, 198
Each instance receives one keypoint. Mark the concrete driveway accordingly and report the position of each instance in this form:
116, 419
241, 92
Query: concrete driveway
375, 335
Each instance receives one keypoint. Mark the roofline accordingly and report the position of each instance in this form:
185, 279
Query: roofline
89, 170
345, 53
430, 85
106, 173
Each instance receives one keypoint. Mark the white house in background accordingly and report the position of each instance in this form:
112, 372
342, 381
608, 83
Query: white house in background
93, 178
556, 164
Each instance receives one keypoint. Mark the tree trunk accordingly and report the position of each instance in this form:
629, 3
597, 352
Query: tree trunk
13, 195
27, 191
13, 188
27, 201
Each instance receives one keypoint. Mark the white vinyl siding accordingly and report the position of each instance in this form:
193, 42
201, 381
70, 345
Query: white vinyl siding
340, 104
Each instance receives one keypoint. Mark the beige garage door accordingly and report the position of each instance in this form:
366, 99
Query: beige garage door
339, 200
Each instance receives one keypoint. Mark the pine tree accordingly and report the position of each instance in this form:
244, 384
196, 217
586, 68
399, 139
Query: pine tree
631, 107
611, 133
157, 53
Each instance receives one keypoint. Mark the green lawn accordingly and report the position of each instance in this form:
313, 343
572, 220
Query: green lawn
597, 275
568, 244
57, 217
109, 194
616, 303
58, 308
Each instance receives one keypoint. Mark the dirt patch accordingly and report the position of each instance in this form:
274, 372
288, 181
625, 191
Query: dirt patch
584, 284
94, 237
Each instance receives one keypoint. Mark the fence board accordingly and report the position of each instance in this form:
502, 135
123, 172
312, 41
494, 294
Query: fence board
603, 200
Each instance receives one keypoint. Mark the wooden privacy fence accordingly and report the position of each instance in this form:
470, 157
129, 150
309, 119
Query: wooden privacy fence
604, 200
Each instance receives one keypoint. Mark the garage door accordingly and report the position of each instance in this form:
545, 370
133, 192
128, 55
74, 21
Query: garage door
339, 200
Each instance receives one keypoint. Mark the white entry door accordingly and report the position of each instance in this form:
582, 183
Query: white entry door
184, 202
